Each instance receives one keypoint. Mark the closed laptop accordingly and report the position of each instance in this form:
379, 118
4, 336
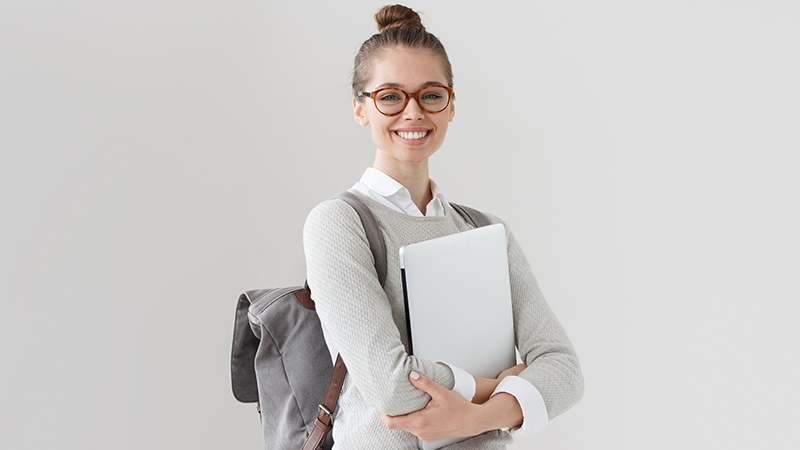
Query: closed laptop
458, 302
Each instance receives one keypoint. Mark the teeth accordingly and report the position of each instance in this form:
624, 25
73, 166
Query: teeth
412, 134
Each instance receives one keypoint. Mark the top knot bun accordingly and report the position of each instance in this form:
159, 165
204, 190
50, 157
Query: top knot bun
394, 16
399, 27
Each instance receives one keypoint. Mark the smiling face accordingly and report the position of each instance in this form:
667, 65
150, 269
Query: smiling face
411, 137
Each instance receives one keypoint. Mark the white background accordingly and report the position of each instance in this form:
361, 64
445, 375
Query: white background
159, 157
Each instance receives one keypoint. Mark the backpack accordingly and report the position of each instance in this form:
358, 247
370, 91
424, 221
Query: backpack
279, 358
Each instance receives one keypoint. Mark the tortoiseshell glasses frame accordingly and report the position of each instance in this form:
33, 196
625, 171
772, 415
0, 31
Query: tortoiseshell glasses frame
434, 88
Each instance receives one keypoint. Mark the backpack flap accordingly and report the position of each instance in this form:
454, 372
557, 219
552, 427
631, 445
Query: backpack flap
292, 364
243, 353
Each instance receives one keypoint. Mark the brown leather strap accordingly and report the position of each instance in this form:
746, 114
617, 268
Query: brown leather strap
335, 386
316, 440
324, 421
304, 298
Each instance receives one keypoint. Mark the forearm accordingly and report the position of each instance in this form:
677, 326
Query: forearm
377, 361
553, 366
500, 411
450, 415
558, 378
483, 389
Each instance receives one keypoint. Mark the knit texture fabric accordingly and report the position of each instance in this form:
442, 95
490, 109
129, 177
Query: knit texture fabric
366, 324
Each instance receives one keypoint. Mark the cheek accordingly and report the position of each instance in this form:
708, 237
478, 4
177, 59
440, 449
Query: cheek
381, 136
443, 126
381, 126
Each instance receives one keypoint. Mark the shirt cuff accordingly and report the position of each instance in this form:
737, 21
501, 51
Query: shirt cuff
464, 382
534, 411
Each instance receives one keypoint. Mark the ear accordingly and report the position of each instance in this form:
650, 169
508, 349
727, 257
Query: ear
359, 114
452, 111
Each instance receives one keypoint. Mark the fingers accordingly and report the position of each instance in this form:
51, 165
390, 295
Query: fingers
425, 384
405, 422
408, 422
448, 414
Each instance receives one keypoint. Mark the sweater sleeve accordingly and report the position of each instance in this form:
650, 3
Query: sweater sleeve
355, 312
553, 367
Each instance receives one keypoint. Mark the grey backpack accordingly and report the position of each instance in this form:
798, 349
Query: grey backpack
280, 360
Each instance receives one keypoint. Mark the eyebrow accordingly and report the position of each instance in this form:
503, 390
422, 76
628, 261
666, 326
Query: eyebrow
399, 86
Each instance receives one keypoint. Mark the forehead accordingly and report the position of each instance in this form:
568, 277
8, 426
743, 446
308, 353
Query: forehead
407, 69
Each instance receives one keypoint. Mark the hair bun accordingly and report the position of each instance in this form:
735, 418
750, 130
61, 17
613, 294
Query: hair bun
393, 16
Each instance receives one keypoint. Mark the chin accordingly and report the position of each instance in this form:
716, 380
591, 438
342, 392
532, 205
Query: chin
415, 155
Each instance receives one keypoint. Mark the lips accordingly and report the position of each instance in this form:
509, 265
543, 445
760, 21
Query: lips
413, 135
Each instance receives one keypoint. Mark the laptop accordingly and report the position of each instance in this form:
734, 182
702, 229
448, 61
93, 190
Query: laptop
458, 302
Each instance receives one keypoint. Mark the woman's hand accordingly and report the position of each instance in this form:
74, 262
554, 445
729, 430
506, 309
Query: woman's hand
447, 415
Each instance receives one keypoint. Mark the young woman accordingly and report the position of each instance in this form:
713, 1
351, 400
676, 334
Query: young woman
402, 89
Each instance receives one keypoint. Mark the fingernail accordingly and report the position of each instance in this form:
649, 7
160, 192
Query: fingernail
414, 375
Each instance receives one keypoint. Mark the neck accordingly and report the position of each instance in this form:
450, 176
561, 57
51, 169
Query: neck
413, 177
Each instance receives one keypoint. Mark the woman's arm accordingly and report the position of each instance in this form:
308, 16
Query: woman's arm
356, 315
449, 415
484, 387
553, 367
553, 378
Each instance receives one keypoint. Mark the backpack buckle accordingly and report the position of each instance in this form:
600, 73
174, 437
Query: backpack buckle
325, 411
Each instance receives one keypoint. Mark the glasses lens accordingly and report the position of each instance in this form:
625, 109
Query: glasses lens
434, 98
390, 101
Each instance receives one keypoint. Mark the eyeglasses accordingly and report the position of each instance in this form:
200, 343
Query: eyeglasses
392, 101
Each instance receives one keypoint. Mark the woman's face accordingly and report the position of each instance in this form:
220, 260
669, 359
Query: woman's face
398, 137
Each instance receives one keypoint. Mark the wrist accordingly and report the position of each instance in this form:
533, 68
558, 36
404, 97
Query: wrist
484, 387
500, 411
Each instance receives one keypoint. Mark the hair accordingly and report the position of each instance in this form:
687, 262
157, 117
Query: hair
398, 26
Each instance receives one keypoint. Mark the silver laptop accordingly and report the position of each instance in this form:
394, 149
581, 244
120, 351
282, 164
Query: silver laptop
458, 302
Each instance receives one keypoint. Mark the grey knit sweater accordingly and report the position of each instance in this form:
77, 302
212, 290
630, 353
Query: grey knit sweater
366, 324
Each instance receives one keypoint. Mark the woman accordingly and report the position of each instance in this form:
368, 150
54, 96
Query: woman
402, 89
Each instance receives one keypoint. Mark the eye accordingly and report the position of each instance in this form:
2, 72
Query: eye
431, 96
390, 96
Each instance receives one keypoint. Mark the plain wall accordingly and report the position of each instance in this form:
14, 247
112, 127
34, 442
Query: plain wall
159, 157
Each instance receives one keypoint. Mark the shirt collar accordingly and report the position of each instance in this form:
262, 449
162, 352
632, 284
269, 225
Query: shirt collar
381, 183
391, 193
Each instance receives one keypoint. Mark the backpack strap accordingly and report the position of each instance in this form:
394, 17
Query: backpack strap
324, 421
472, 216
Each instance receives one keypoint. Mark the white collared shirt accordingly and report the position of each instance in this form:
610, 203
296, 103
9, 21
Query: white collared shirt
390, 193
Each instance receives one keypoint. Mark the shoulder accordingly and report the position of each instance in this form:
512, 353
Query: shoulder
495, 219
491, 217
331, 210
333, 219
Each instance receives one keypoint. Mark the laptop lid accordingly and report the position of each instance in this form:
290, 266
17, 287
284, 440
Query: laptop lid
458, 300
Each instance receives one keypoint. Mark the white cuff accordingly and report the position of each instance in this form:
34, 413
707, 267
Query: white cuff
534, 411
464, 382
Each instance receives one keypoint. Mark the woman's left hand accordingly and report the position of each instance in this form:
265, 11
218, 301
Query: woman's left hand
447, 415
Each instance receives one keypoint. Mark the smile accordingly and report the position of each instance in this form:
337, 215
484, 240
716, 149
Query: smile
412, 134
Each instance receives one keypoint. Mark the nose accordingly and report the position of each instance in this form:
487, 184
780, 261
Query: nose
413, 110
